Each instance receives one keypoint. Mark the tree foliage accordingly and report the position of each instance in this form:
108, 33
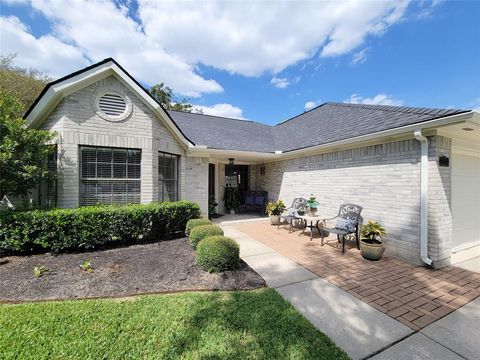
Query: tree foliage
25, 84
164, 95
23, 151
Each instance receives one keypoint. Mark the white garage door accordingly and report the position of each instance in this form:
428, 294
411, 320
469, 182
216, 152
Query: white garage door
465, 200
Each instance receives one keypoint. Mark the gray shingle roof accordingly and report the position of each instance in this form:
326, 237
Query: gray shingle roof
225, 133
329, 122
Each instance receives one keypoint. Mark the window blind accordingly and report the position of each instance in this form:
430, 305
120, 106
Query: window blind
110, 176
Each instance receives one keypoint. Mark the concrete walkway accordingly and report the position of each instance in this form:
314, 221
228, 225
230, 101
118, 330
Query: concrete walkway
358, 328
456, 336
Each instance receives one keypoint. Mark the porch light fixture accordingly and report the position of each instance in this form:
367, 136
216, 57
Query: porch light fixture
231, 161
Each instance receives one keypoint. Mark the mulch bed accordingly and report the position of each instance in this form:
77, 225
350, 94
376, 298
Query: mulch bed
166, 266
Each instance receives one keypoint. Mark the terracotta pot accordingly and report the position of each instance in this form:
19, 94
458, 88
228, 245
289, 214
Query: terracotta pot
371, 251
274, 219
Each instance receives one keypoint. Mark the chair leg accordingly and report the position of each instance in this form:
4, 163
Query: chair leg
321, 236
290, 228
358, 240
343, 244
338, 238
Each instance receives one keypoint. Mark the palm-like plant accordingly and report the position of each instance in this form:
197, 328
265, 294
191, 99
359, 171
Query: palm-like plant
372, 231
276, 208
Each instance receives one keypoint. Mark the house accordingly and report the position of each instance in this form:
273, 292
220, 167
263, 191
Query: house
415, 170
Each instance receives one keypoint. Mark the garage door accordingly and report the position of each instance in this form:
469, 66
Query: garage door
465, 200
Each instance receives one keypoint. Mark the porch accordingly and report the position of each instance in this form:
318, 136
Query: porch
241, 171
413, 295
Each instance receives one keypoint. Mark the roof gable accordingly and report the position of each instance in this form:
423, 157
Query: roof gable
55, 91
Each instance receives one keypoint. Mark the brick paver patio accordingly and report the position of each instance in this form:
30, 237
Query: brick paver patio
414, 295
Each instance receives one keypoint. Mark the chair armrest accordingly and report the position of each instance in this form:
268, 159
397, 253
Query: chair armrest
328, 222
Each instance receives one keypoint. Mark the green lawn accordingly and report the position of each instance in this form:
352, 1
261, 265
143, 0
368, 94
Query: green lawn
210, 325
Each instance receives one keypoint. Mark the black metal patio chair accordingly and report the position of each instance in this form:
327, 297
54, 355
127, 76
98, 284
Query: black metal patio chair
299, 205
348, 220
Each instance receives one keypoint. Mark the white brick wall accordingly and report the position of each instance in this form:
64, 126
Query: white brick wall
196, 175
384, 179
439, 210
78, 124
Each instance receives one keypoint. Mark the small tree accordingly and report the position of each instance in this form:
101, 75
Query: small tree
26, 84
164, 95
23, 151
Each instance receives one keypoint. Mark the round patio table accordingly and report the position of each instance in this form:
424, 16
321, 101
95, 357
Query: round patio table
311, 222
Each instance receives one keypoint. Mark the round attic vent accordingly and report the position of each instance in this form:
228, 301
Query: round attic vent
112, 106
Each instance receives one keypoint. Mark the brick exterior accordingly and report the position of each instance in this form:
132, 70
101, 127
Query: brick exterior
384, 179
439, 207
196, 175
77, 123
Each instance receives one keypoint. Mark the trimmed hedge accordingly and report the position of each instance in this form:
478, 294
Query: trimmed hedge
218, 253
201, 232
193, 223
87, 228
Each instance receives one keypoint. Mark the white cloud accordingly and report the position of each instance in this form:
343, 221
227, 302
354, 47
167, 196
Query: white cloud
311, 104
427, 8
359, 57
166, 41
280, 83
85, 28
379, 99
225, 110
264, 36
45, 52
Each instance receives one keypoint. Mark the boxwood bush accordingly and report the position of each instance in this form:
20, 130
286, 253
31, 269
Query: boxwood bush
218, 253
88, 228
201, 232
193, 223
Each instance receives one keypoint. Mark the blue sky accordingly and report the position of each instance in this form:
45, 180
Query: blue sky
263, 61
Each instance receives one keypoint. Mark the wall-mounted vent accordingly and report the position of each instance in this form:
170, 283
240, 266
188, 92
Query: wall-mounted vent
112, 104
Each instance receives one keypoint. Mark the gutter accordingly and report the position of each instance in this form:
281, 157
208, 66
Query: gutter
423, 197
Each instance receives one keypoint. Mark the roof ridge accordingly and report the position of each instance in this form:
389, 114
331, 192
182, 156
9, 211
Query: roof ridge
303, 113
390, 108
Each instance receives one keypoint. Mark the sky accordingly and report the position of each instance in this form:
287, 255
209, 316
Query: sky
265, 61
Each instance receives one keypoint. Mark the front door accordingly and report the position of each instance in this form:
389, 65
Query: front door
237, 176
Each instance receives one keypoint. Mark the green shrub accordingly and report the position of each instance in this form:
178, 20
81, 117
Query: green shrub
201, 232
88, 228
218, 253
193, 223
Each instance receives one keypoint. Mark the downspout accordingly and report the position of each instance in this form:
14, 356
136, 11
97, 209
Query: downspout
423, 197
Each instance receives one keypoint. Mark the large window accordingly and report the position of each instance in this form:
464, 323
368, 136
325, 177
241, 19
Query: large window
167, 177
109, 176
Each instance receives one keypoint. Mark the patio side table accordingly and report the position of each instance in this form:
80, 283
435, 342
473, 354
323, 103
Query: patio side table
311, 222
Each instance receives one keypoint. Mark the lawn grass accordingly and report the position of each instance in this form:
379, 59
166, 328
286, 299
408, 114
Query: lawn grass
199, 325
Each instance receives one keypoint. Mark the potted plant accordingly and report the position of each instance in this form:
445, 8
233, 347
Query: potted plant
312, 204
212, 205
371, 247
275, 209
231, 199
